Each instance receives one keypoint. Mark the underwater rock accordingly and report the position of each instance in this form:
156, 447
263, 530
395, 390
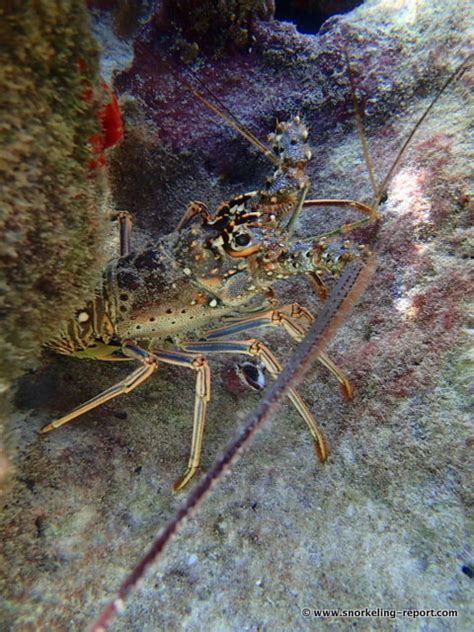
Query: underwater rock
210, 27
384, 523
125, 15
183, 146
51, 216
50, 200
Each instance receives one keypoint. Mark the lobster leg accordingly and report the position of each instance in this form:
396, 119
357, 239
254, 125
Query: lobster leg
296, 312
258, 350
359, 206
193, 209
318, 285
130, 383
371, 215
344, 383
295, 319
125, 223
203, 394
150, 362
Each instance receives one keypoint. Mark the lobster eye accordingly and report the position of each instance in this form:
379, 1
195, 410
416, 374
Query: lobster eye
240, 242
243, 239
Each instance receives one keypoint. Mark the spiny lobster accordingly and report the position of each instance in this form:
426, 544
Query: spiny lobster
192, 292
219, 269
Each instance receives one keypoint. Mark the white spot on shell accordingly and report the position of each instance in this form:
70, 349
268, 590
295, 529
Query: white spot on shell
213, 303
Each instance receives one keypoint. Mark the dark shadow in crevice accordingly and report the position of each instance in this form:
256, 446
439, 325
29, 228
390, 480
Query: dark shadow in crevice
310, 15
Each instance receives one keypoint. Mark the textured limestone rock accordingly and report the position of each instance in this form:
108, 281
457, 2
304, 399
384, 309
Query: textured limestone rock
384, 523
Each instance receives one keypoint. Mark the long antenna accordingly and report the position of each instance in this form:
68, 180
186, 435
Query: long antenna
352, 282
230, 119
380, 189
457, 74
361, 131
222, 105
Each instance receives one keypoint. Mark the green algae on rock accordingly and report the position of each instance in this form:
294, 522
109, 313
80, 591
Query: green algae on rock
50, 201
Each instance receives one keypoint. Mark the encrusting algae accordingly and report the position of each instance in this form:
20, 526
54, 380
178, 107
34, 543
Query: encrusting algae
50, 200
53, 129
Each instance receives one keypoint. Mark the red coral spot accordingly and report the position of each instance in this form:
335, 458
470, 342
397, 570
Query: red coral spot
108, 117
111, 122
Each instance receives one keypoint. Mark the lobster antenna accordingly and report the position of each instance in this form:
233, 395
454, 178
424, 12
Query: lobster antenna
361, 131
224, 112
457, 74
222, 105
379, 190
